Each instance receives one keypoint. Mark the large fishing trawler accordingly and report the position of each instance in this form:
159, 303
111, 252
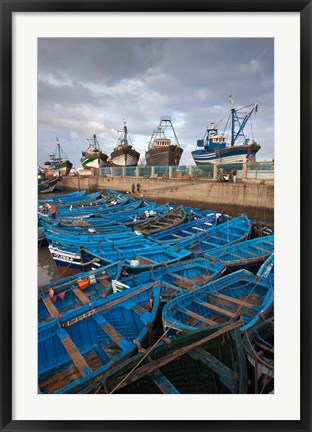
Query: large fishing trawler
93, 157
124, 153
161, 151
58, 161
213, 148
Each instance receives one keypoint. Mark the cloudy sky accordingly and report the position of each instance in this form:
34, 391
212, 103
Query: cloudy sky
95, 84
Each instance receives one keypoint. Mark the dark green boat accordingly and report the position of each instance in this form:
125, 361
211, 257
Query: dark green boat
207, 361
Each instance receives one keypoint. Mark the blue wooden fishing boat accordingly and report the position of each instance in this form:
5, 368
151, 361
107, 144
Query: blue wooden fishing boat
232, 231
239, 295
137, 259
176, 279
65, 197
56, 298
247, 254
69, 261
83, 226
201, 362
103, 243
114, 238
83, 203
118, 203
259, 347
267, 268
112, 219
79, 346
186, 230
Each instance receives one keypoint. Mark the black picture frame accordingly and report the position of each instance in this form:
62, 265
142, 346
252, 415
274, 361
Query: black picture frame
8, 7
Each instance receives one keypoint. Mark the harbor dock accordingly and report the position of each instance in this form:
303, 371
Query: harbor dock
256, 198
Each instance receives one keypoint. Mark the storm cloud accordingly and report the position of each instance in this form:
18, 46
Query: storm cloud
94, 84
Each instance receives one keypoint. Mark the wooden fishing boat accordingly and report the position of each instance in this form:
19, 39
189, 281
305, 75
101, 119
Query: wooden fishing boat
79, 346
82, 227
247, 254
66, 197
118, 203
267, 268
58, 297
69, 261
176, 279
124, 154
47, 186
59, 161
147, 213
64, 238
237, 295
186, 230
201, 362
172, 218
112, 220
232, 231
259, 347
136, 260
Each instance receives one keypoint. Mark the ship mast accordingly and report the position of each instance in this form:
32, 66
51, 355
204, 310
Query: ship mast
165, 122
125, 138
58, 145
240, 118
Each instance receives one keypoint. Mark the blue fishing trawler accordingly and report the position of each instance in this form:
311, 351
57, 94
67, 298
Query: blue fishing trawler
213, 148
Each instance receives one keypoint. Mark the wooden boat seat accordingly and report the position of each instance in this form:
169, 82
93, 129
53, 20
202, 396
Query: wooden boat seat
210, 243
233, 300
187, 233
227, 376
197, 316
216, 308
200, 279
157, 223
162, 382
81, 296
111, 350
262, 249
73, 352
177, 236
108, 329
234, 255
183, 279
251, 253
50, 306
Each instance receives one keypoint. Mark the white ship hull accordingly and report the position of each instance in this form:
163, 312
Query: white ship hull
124, 160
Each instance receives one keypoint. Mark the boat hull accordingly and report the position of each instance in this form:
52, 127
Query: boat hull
63, 168
124, 157
228, 155
47, 186
70, 263
89, 161
167, 156
196, 366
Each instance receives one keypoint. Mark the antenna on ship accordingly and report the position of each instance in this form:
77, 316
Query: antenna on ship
126, 138
58, 146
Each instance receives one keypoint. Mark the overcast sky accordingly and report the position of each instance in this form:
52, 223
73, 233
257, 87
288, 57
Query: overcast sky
93, 84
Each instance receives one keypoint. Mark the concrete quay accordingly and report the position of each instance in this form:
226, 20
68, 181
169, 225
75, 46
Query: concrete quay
255, 199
